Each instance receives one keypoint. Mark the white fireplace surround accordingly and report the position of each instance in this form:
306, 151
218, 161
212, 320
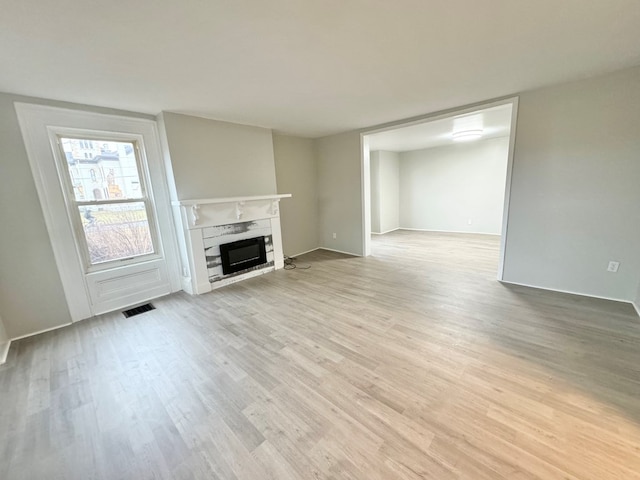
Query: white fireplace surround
196, 215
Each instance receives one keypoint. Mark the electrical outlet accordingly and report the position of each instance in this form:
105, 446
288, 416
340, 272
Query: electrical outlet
613, 266
334, 235
469, 221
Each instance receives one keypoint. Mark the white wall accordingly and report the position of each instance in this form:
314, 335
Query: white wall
218, 159
296, 173
339, 192
444, 188
575, 193
385, 191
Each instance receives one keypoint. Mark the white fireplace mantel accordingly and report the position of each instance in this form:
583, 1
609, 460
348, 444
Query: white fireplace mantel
197, 215
200, 201
231, 206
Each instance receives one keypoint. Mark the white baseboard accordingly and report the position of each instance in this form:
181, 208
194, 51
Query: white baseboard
637, 307
4, 351
447, 231
41, 331
303, 253
621, 300
339, 251
388, 231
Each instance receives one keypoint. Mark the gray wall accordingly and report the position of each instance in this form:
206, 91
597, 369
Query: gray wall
3, 333
574, 202
296, 173
339, 192
574, 197
444, 188
218, 159
31, 296
385, 191
575, 194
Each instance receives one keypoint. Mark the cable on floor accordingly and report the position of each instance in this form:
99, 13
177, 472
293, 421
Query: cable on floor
289, 264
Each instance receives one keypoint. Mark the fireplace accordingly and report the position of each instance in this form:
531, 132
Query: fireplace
209, 223
242, 255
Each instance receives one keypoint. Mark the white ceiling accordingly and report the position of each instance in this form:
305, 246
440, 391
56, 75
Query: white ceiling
307, 67
494, 122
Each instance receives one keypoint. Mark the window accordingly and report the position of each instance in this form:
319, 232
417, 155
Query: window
115, 225
100, 275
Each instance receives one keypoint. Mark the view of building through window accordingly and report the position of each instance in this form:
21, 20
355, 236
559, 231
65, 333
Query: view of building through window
109, 197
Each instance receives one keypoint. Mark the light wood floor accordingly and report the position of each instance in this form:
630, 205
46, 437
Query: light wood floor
411, 364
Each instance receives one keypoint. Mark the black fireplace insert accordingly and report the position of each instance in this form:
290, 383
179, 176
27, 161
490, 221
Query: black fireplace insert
243, 254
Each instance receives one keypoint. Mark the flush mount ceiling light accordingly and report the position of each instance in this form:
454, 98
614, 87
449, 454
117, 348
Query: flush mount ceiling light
467, 135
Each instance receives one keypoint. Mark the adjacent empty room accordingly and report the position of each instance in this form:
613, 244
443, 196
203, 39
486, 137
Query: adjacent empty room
445, 175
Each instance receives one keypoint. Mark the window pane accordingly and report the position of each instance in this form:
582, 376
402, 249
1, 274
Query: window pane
115, 232
102, 169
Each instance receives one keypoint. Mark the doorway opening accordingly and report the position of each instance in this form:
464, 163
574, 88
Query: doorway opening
448, 175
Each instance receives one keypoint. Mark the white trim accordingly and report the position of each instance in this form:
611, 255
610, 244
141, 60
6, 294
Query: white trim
621, 300
339, 251
197, 261
55, 135
303, 253
507, 187
276, 241
637, 307
196, 216
27, 335
214, 214
36, 121
31, 121
388, 231
447, 231
205, 201
365, 186
442, 114
4, 351
7, 345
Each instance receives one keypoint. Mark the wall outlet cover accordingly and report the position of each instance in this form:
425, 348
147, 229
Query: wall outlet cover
613, 266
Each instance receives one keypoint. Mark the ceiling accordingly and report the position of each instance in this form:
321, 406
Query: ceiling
494, 122
308, 68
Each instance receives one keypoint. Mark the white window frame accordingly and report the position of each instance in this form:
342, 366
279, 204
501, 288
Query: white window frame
55, 135
35, 120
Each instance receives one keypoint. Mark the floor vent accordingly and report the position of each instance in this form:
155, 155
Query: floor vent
138, 310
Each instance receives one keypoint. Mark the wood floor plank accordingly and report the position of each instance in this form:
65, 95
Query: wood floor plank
414, 363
